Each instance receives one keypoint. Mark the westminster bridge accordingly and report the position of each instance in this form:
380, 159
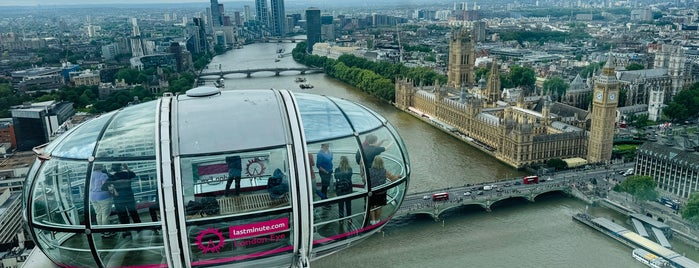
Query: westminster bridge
477, 195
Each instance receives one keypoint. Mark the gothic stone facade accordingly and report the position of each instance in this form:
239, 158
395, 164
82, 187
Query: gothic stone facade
515, 135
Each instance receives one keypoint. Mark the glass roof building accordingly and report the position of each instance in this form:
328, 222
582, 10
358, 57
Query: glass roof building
237, 178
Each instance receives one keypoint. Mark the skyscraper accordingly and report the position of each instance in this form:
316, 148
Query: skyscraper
246, 13
278, 18
261, 9
216, 18
312, 27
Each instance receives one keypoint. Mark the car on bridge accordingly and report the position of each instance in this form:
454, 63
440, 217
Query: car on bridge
467, 193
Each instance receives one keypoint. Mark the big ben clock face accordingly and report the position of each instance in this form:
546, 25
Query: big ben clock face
612, 96
598, 95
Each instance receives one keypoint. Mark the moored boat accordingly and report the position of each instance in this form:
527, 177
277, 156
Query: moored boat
649, 259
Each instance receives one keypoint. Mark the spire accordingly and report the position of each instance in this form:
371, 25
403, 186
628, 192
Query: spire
609, 66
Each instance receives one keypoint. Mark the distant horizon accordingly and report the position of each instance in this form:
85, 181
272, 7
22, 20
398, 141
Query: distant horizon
108, 2
325, 4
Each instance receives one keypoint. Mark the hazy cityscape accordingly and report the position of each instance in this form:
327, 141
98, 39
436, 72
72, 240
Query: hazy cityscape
514, 113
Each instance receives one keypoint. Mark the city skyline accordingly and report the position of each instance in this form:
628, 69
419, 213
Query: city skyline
137, 2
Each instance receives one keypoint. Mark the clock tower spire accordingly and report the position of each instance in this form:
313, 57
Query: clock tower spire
604, 104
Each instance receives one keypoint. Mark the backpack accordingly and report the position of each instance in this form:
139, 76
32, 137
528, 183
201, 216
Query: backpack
277, 186
206, 206
209, 206
343, 181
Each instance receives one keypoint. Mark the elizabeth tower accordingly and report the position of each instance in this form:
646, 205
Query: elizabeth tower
604, 103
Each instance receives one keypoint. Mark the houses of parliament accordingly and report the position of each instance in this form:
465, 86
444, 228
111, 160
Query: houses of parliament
516, 129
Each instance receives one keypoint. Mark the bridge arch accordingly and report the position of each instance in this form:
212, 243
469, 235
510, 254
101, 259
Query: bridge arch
549, 192
511, 197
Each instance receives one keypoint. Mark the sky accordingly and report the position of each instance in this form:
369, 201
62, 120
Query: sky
82, 2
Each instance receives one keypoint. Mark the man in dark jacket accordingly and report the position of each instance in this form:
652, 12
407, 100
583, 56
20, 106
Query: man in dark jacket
119, 186
235, 170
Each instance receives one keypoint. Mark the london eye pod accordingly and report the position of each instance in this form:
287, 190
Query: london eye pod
211, 177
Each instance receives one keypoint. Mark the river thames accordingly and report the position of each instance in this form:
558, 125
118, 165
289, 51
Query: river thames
514, 234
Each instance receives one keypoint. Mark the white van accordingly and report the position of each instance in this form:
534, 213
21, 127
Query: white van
487, 188
628, 172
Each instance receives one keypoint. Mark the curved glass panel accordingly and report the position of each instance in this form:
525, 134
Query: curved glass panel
139, 249
80, 143
131, 133
394, 198
236, 120
28, 184
401, 144
339, 207
124, 192
59, 193
68, 249
362, 119
235, 183
321, 118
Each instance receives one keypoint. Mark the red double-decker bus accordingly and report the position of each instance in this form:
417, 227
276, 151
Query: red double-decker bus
440, 196
530, 180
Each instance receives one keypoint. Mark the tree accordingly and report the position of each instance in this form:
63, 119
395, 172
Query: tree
556, 163
635, 66
684, 105
556, 86
691, 211
640, 187
522, 76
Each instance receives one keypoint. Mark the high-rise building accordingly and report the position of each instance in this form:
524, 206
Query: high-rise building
327, 28
604, 104
196, 36
261, 9
278, 18
312, 27
38, 123
462, 59
11, 218
236, 18
137, 47
216, 18
246, 13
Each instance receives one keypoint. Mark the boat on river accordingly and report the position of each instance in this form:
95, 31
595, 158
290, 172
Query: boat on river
649, 259
305, 86
300, 79
219, 83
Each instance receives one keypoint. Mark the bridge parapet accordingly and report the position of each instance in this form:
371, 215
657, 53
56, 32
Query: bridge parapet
435, 208
249, 72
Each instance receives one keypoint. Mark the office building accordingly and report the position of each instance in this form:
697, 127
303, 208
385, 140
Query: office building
10, 217
216, 14
327, 28
246, 13
673, 161
278, 18
37, 123
312, 27
261, 15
